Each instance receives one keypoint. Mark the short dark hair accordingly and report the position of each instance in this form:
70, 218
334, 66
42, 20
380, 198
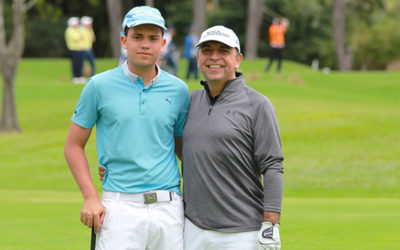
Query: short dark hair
237, 52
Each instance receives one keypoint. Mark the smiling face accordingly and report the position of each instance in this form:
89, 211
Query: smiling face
143, 44
218, 62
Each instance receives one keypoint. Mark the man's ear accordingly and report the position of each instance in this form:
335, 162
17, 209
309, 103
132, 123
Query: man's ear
123, 41
163, 43
238, 60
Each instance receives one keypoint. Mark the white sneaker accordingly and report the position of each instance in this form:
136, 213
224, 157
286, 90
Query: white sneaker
82, 80
76, 80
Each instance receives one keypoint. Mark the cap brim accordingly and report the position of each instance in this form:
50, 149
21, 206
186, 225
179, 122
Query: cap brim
137, 23
216, 39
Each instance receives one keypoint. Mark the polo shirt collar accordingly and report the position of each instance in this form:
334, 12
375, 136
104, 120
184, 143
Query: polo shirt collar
135, 77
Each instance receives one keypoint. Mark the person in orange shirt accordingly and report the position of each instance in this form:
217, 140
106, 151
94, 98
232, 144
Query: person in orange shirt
276, 34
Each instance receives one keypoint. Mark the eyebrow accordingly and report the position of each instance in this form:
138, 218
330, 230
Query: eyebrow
136, 32
225, 47
149, 35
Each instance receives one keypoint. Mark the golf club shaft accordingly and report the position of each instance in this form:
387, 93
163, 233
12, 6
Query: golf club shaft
93, 240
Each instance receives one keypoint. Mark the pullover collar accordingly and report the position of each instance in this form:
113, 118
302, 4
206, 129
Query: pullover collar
233, 85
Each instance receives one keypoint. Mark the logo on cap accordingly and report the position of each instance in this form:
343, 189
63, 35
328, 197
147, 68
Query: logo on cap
216, 33
221, 34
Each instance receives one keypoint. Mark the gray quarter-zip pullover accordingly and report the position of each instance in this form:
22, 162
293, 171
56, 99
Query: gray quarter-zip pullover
228, 144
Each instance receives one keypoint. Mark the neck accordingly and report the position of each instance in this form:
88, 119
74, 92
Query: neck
146, 73
215, 88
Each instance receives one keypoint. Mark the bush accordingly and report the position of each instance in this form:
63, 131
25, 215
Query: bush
45, 38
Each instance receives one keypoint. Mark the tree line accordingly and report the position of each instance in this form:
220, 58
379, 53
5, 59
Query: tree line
368, 38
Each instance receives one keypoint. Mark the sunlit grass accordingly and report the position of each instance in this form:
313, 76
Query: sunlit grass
340, 135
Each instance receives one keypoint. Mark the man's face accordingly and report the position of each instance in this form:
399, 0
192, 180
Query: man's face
143, 45
218, 61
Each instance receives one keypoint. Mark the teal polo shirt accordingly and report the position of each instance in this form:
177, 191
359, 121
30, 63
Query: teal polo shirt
135, 127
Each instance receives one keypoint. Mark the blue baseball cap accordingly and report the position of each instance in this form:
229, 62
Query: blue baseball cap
143, 15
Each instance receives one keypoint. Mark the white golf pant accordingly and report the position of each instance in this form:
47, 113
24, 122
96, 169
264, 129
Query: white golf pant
200, 239
131, 224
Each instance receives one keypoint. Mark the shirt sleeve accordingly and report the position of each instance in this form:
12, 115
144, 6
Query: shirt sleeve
85, 113
268, 155
183, 110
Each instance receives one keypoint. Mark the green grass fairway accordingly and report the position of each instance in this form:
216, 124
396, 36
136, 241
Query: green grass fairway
340, 135
50, 220
341, 223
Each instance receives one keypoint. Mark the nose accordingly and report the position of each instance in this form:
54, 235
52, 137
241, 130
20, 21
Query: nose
214, 55
145, 44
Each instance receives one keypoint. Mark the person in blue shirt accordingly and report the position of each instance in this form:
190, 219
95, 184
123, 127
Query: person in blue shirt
139, 111
190, 52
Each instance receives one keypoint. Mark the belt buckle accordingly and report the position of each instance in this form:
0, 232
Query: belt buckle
150, 198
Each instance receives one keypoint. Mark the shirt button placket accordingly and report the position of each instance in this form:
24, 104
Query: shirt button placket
142, 107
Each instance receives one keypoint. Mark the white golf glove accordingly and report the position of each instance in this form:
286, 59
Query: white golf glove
268, 237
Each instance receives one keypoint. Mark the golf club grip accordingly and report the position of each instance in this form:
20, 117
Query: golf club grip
93, 240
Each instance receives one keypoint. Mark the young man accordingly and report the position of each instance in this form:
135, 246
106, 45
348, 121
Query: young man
138, 109
231, 138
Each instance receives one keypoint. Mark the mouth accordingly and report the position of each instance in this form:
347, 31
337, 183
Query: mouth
144, 54
214, 66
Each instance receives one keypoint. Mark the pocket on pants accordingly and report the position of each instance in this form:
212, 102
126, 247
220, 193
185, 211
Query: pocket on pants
180, 215
108, 205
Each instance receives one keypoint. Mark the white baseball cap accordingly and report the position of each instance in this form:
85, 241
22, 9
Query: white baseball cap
86, 20
221, 34
73, 21
143, 15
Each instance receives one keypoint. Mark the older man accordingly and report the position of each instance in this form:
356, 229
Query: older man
231, 138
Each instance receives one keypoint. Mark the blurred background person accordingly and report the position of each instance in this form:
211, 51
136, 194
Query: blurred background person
123, 54
168, 56
74, 41
88, 39
190, 52
276, 33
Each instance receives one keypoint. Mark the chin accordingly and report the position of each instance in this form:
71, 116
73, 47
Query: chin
146, 63
213, 77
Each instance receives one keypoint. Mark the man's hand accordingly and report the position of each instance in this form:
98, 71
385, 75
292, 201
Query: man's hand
268, 237
285, 22
92, 213
101, 172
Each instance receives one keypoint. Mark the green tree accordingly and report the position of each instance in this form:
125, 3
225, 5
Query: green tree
376, 34
371, 30
10, 54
